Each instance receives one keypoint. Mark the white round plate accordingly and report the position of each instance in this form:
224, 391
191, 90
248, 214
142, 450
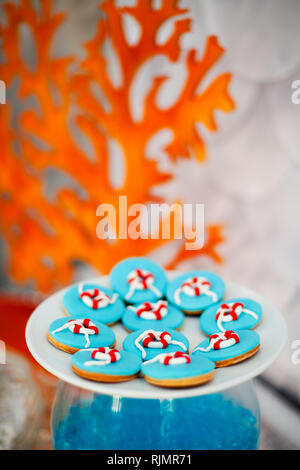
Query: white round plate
272, 331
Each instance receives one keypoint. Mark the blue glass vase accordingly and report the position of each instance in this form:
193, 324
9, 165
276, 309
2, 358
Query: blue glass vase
83, 419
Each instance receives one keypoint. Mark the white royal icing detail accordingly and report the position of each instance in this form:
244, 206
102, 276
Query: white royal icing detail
220, 340
195, 287
95, 298
160, 340
85, 330
151, 311
230, 311
103, 356
141, 279
175, 358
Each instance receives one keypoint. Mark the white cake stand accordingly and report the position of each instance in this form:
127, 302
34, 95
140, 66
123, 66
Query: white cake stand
272, 331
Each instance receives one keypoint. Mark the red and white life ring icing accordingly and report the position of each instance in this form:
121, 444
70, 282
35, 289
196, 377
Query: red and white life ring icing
230, 311
151, 311
82, 326
195, 287
155, 340
95, 298
175, 358
103, 356
221, 340
141, 279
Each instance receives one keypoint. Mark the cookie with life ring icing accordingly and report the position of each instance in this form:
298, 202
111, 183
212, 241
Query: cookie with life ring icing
93, 301
229, 347
138, 280
194, 291
239, 313
149, 343
178, 369
106, 364
72, 335
147, 315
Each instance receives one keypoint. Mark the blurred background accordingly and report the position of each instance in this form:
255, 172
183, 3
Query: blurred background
189, 103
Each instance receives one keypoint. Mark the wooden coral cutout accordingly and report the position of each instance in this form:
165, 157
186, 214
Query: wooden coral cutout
44, 236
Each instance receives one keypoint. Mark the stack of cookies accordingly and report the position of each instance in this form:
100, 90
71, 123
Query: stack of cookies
152, 309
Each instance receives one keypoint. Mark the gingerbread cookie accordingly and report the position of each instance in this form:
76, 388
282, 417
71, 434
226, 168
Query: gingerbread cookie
235, 314
106, 365
93, 301
72, 335
149, 343
138, 280
194, 291
147, 315
229, 347
178, 369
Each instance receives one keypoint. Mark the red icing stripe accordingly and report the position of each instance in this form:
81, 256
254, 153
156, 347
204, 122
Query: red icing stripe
112, 354
143, 278
229, 334
162, 339
148, 339
177, 354
231, 312
147, 308
151, 337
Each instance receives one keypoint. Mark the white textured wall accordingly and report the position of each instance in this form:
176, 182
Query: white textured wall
251, 180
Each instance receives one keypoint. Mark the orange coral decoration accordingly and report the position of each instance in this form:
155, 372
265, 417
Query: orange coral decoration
44, 236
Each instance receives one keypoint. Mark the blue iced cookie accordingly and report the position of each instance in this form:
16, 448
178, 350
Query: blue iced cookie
229, 347
147, 315
72, 335
178, 369
106, 365
149, 343
138, 280
235, 314
194, 291
93, 301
